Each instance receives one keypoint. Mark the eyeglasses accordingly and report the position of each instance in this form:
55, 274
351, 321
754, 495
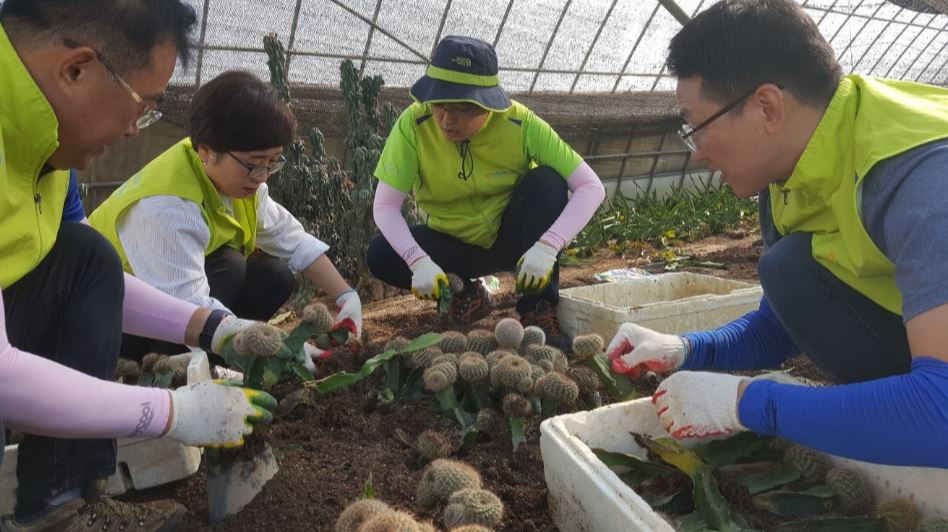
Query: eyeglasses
259, 173
687, 133
150, 115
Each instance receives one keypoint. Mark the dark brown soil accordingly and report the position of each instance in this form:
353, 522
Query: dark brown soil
327, 452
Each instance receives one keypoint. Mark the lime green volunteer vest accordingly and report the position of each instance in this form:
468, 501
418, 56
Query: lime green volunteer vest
31, 205
179, 172
867, 120
500, 153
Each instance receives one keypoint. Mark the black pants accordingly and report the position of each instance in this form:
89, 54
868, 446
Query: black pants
845, 333
252, 289
535, 204
69, 310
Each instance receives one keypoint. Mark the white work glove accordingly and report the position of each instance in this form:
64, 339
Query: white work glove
698, 404
535, 268
229, 326
350, 306
426, 279
635, 348
313, 354
214, 414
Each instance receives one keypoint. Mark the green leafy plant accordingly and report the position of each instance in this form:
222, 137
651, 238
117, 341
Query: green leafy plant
330, 198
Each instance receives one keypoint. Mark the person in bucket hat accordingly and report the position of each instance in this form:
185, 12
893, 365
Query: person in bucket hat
493, 181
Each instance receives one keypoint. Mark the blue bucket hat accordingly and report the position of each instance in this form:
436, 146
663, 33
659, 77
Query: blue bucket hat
462, 69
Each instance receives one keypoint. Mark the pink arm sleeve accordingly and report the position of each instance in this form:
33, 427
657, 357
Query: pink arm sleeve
152, 313
387, 211
588, 194
42, 397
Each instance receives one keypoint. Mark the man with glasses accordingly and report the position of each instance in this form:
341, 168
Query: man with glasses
76, 77
208, 195
494, 182
850, 175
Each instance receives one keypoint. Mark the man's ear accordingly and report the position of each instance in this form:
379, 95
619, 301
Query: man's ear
772, 103
73, 69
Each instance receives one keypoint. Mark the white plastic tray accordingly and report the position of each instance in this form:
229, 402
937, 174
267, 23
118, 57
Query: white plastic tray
585, 495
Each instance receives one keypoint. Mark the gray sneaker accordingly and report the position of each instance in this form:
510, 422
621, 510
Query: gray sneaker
102, 513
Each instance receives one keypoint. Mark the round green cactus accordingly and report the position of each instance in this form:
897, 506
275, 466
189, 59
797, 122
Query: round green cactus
481, 340
260, 339
587, 345
545, 365
148, 361
396, 343
453, 342
812, 464
439, 377
557, 388
473, 369
852, 493
128, 371
532, 335
516, 405
441, 478
162, 365
536, 372
509, 333
391, 521
510, 372
473, 507
318, 317
471, 528
585, 378
445, 358
432, 445
898, 514
489, 421
422, 358
358, 513
496, 356
539, 353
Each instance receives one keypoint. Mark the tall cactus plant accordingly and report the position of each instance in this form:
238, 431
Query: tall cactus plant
333, 201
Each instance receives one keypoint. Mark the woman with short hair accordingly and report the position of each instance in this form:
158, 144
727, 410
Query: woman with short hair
190, 221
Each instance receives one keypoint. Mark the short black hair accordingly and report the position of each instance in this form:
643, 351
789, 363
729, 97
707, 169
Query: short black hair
236, 111
736, 45
124, 31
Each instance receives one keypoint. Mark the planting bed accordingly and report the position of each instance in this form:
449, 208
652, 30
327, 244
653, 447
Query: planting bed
327, 452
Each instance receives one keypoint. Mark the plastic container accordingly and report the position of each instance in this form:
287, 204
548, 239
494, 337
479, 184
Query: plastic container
585, 495
141, 462
671, 303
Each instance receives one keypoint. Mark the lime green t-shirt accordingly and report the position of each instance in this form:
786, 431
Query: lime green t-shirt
418, 158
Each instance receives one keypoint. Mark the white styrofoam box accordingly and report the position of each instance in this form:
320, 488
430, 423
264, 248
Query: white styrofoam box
671, 303
141, 462
585, 495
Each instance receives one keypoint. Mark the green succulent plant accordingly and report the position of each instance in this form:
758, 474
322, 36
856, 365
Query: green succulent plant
516, 405
440, 377
432, 445
532, 335
898, 514
508, 333
852, 492
812, 464
481, 340
473, 368
586, 346
453, 342
556, 389
357, 513
510, 372
392, 521
473, 506
441, 478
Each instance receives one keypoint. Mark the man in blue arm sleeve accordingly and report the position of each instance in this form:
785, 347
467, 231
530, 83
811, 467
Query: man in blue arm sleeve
850, 174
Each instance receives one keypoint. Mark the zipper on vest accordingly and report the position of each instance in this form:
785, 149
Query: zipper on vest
786, 194
38, 200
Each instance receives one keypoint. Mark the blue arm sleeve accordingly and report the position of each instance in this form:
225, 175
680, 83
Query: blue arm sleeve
73, 210
898, 420
756, 340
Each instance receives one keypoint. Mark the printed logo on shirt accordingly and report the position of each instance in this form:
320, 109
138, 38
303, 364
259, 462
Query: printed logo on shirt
501, 174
